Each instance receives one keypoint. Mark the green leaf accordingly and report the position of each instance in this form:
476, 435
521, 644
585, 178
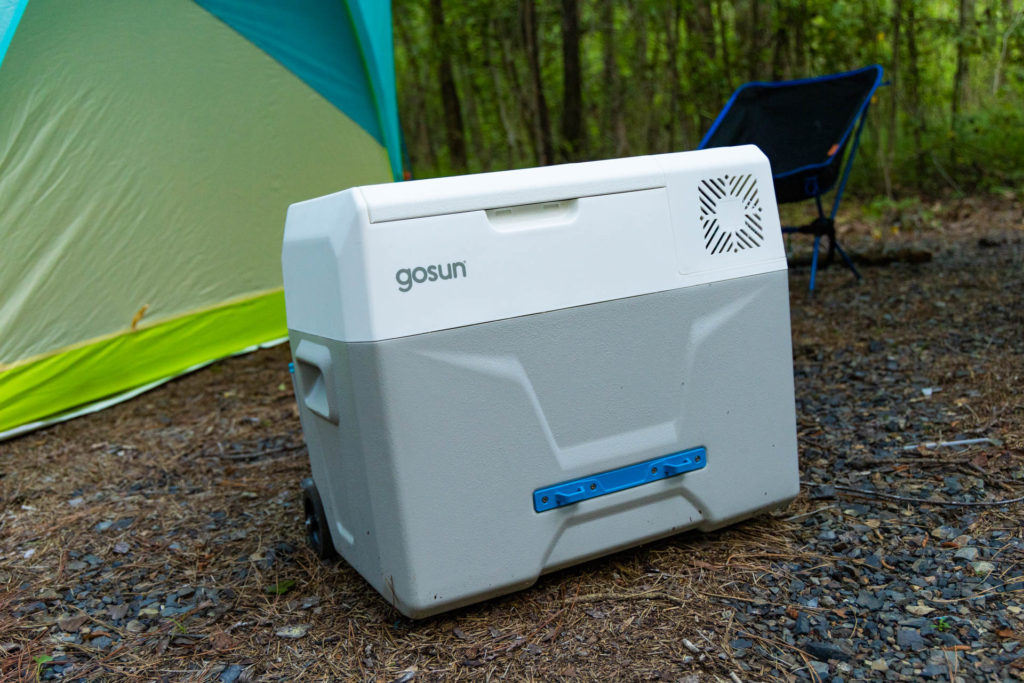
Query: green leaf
42, 659
281, 587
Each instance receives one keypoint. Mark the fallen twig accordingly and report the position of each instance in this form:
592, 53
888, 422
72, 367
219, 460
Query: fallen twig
948, 444
808, 514
927, 501
653, 595
252, 455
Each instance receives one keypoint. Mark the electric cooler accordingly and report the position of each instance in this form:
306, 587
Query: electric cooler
503, 374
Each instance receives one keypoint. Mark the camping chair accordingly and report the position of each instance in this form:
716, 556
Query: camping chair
803, 127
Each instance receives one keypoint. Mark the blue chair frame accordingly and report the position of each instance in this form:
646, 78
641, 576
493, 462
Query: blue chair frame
816, 178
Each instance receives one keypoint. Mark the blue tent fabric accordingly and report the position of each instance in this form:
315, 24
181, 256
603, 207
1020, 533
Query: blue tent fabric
320, 43
372, 19
10, 15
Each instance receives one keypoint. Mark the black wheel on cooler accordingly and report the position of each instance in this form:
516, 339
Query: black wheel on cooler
317, 533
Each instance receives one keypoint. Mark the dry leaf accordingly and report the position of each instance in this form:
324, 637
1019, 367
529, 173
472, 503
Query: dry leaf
72, 624
297, 631
920, 610
221, 641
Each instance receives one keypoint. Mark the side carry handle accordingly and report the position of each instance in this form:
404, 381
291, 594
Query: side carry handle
315, 379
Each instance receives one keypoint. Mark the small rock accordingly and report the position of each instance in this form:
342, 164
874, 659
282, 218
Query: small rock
969, 553
30, 608
878, 665
104, 525
823, 491
231, 674
297, 631
945, 532
803, 626
121, 548
149, 612
825, 651
820, 668
982, 568
869, 601
910, 639
135, 626
101, 643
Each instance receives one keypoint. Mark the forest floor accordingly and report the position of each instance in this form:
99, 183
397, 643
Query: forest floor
162, 539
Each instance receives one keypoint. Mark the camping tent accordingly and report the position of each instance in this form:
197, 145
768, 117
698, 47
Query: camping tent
148, 153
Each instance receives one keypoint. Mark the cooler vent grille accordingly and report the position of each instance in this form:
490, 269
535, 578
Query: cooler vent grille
730, 213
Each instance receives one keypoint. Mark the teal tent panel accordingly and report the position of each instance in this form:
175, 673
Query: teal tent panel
315, 40
10, 15
372, 19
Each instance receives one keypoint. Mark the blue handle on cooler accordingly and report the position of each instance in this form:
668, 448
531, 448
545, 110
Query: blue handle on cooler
592, 486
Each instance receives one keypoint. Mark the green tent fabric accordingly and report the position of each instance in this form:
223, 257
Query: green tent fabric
148, 153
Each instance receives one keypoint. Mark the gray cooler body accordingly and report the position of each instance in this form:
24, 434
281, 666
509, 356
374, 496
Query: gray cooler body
461, 463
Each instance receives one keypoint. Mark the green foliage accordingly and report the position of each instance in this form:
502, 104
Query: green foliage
281, 587
41, 661
655, 73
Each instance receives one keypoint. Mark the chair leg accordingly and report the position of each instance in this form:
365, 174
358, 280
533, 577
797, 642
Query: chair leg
847, 260
814, 259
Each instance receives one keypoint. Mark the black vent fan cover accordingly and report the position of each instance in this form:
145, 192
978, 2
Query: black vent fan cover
730, 213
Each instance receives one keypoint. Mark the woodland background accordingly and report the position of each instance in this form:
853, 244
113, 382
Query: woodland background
488, 85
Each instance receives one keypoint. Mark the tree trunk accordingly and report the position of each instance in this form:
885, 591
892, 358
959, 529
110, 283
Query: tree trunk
642, 84
897, 17
613, 128
572, 83
781, 41
519, 94
961, 75
913, 82
754, 41
674, 118
454, 132
499, 92
529, 25
723, 38
416, 114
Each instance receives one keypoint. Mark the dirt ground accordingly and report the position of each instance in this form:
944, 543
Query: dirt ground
162, 539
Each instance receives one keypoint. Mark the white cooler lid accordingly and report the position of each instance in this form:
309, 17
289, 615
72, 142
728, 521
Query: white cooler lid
386, 261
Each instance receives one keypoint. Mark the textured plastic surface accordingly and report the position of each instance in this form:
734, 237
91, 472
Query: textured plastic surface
442, 438
603, 483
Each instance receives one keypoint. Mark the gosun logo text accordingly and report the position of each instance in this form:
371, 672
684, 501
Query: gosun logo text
407, 277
